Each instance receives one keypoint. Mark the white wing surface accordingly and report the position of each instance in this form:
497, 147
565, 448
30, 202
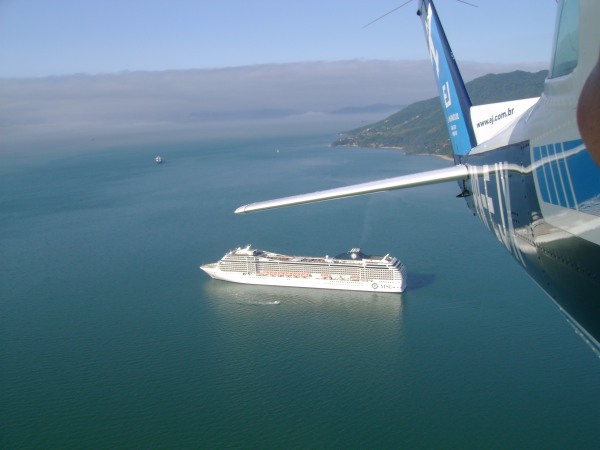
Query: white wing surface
458, 172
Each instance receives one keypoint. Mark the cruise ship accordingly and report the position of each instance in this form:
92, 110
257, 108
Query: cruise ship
352, 270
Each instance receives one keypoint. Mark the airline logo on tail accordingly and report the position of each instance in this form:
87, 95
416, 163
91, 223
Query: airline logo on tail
446, 92
453, 94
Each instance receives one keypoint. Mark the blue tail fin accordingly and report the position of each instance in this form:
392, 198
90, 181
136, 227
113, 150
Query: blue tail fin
456, 103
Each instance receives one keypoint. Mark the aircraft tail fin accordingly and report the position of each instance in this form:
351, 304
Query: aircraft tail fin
456, 103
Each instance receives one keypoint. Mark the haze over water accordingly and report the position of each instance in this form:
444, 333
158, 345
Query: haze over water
113, 338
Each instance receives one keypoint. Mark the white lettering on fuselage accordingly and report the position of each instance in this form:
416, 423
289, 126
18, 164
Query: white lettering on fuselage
499, 222
453, 117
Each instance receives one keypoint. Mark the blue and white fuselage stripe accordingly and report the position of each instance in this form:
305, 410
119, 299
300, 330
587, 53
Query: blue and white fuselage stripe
567, 176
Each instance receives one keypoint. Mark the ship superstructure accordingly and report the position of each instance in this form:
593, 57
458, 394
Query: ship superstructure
352, 270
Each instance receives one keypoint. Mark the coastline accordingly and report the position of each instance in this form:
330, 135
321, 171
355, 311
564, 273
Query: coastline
445, 157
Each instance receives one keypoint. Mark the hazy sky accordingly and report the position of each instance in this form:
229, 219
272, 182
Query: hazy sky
91, 69
145, 104
41, 38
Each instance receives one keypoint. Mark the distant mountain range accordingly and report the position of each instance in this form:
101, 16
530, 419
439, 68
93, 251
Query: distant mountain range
376, 108
420, 127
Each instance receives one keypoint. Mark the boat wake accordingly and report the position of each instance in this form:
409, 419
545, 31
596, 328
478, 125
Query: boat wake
265, 303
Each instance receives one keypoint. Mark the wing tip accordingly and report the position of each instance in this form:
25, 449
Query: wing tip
456, 172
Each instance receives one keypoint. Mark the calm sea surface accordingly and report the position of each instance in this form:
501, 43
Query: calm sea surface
111, 337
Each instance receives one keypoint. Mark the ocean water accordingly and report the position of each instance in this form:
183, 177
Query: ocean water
111, 336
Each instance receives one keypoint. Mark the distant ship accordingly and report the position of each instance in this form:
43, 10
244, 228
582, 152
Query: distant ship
353, 270
158, 160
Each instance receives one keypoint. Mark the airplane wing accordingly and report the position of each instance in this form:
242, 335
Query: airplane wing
458, 172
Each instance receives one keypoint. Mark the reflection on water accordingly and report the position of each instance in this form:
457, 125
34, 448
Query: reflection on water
230, 296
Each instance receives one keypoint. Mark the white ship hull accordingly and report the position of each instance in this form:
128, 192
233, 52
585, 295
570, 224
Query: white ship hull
309, 282
285, 272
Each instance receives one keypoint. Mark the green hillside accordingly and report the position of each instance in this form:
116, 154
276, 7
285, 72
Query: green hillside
420, 128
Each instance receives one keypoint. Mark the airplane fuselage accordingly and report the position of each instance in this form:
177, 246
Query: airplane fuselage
531, 180
564, 264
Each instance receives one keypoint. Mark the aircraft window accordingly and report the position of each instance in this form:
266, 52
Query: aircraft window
566, 48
